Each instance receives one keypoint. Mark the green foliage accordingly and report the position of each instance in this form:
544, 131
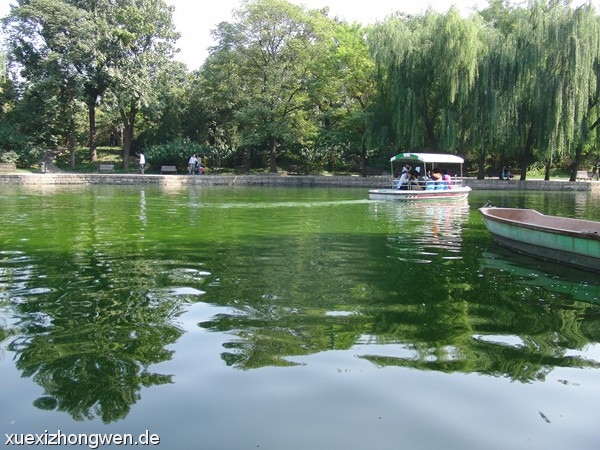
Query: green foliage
269, 57
427, 70
176, 152
16, 148
289, 85
103, 54
9, 156
106, 155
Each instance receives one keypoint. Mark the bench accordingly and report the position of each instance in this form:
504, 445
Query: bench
106, 168
168, 169
8, 167
297, 170
372, 171
584, 175
516, 173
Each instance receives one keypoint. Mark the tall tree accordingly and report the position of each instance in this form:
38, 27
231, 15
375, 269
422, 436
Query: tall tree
487, 126
575, 81
145, 46
552, 78
272, 43
427, 68
48, 49
342, 91
94, 46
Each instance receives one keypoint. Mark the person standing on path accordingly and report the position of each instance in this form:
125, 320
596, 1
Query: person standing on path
142, 163
192, 164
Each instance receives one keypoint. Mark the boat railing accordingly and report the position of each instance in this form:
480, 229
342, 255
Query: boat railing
429, 185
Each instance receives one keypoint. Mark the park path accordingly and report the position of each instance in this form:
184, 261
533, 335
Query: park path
50, 160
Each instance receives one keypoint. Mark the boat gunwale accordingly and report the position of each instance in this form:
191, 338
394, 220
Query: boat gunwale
459, 193
591, 235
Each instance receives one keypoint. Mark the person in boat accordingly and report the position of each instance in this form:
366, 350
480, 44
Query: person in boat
405, 169
421, 178
404, 180
447, 179
413, 179
436, 180
505, 175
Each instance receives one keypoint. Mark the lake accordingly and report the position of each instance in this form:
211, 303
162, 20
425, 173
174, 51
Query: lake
290, 318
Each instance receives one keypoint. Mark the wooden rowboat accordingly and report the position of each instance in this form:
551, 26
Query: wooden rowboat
575, 242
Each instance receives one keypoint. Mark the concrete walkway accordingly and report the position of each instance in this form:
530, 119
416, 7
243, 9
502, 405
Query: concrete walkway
54, 177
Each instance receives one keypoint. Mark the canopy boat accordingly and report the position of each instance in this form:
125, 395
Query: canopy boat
420, 186
575, 242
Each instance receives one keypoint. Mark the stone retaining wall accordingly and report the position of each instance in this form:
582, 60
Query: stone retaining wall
275, 180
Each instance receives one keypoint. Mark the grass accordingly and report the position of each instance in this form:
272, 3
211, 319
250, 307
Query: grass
105, 155
113, 155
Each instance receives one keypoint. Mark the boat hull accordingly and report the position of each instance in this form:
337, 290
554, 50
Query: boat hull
457, 193
570, 241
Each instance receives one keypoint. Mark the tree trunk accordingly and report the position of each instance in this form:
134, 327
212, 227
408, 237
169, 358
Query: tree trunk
71, 147
430, 133
92, 135
547, 170
272, 154
481, 165
575, 165
128, 129
246, 160
527, 151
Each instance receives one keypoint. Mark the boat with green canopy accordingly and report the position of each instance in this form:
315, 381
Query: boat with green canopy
424, 176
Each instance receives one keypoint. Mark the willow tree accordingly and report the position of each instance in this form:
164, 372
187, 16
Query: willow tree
560, 50
506, 79
576, 78
484, 125
426, 71
551, 78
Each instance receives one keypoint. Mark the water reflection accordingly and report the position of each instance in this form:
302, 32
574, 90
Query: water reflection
143, 218
425, 301
98, 288
555, 279
90, 343
421, 231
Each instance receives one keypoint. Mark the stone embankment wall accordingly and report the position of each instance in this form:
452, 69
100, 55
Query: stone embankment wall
49, 179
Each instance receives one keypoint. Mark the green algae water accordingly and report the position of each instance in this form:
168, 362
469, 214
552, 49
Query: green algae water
285, 318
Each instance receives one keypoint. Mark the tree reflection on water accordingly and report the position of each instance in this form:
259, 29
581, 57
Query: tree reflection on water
423, 301
90, 345
92, 302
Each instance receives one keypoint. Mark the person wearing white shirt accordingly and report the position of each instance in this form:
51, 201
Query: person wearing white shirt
142, 162
192, 164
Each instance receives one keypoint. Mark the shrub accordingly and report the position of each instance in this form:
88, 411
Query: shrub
176, 152
9, 157
16, 148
